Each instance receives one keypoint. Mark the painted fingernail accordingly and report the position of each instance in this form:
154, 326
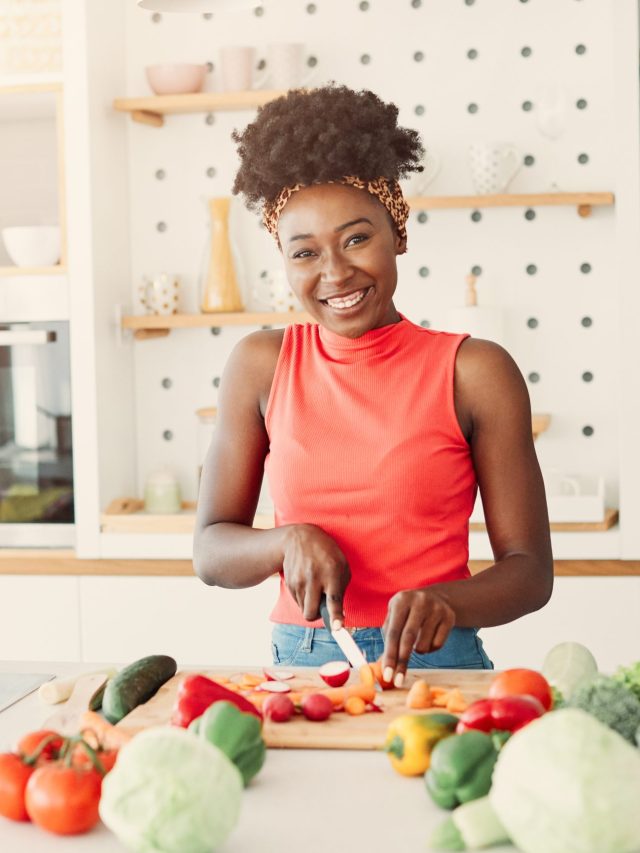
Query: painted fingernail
387, 675
336, 624
397, 681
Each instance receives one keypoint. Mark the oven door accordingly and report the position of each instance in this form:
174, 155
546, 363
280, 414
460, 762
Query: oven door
36, 456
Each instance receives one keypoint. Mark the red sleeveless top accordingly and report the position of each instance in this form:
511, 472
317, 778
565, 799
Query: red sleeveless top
365, 443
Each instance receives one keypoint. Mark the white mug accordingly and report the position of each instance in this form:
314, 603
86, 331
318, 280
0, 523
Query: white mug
557, 484
159, 294
493, 165
285, 67
236, 67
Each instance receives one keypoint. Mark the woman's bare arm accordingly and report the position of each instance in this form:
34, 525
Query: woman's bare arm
493, 408
228, 551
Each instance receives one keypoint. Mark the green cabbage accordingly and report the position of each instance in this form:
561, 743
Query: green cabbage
568, 784
171, 792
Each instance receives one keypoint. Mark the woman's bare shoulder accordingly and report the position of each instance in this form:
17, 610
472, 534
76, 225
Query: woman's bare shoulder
254, 360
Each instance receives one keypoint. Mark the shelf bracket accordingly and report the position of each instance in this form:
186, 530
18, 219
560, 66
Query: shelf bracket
147, 117
584, 210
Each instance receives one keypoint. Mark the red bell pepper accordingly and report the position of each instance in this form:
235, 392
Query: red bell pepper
509, 713
197, 692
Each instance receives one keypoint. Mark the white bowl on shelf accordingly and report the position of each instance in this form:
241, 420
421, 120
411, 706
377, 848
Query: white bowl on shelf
176, 78
32, 245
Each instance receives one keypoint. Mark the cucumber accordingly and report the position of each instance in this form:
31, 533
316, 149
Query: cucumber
135, 684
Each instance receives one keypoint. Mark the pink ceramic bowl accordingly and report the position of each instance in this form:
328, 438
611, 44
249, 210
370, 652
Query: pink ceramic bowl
175, 79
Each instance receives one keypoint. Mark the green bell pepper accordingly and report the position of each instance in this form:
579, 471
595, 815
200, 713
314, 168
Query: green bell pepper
462, 766
236, 733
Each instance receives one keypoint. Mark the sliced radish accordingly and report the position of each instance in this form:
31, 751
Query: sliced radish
335, 673
277, 675
274, 687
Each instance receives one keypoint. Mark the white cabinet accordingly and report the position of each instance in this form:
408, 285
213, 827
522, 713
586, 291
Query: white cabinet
39, 618
603, 613
126, 618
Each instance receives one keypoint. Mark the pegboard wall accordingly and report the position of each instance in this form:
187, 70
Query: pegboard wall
460, 71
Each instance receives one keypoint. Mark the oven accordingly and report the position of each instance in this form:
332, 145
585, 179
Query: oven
36, 453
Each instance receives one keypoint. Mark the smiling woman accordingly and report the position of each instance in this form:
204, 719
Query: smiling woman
374, 433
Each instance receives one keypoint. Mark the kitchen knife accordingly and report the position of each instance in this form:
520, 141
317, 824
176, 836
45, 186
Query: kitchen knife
342, 637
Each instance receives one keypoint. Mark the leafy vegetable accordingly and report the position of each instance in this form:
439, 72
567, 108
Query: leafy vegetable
565, 782
629, 676
611, 703
171, 792
569, 665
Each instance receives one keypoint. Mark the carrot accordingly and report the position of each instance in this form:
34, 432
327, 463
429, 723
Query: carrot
258, 698
419, 696
337, 695
105, 734
376, 666
251, 680
439, 691
367, 675
355, 706
456, 702
364, 691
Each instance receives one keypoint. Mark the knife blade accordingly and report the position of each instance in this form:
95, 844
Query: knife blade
342, 637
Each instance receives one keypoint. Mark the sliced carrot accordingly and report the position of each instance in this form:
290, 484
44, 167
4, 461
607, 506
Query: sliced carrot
252, 680
419, 696
376, 666
439, 691
364, 691
367, 675
295, 696
456, 703
337, 695
257, 698
440, 700
355, 706
103, 733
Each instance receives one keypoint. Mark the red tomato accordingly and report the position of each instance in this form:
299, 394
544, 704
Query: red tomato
63, 799
522, 682
14, 775
28, 744
82, 760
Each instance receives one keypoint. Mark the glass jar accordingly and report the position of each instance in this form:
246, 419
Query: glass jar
206, 426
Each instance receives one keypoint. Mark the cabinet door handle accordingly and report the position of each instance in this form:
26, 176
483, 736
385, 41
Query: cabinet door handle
12, 337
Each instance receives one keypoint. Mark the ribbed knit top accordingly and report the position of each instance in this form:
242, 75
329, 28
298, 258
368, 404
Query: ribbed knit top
365, 443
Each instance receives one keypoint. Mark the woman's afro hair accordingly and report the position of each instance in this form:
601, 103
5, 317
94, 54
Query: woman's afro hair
322, 135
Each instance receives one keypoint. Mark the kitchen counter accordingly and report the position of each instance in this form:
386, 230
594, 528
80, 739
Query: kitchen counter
311, 800
64, 562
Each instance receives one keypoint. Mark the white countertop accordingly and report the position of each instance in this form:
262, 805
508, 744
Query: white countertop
312, 800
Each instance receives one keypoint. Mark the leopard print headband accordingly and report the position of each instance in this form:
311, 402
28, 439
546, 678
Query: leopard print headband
386, 191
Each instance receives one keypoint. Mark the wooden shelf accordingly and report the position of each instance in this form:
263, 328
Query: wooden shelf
60, 269
151, 110
126, 515
584, 201
610, 519
157, 325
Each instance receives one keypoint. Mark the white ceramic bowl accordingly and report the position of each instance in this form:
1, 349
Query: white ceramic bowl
176, 79
32, 245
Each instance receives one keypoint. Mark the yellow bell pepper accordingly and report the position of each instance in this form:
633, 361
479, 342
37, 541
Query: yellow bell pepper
411, 737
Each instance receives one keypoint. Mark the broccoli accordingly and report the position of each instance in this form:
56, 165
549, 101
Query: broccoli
629, 676
610, 702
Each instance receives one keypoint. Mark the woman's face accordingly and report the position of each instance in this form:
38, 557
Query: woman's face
339, 246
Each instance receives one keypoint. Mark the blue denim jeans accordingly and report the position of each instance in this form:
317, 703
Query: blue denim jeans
294, 645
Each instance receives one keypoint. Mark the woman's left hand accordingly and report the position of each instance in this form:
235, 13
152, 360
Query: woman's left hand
417, 620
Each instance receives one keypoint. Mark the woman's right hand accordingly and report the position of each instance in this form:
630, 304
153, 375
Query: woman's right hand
313, 563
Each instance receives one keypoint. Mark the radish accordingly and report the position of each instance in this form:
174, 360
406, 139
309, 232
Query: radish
274, 687
316, 707
273, 675
335, 673
278, 708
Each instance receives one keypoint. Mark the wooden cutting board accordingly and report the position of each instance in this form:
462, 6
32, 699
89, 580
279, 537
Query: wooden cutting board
340, 731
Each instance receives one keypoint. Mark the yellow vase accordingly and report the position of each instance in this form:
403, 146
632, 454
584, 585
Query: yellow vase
220, 290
